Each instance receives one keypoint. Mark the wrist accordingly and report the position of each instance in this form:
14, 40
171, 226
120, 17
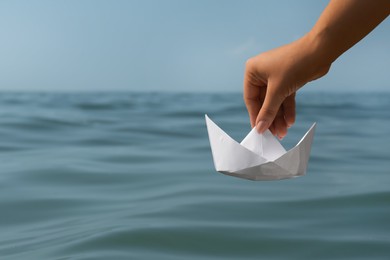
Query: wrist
322, 47
318, 55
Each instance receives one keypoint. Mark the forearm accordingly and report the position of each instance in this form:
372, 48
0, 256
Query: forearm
272, 78
344, 23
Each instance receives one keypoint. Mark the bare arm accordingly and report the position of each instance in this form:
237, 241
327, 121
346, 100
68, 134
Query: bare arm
344, 23
272, 78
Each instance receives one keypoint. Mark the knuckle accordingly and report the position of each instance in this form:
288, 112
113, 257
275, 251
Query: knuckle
253, 63
249, 63
247, 101
250, 100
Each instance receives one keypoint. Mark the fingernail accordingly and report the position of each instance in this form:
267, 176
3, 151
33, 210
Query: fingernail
261, 126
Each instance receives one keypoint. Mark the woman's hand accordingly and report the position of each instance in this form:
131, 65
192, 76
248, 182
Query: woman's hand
272, 78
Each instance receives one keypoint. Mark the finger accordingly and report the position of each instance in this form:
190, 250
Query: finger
254, 93
268, 111
280, 124
272, 128
253, 106
289, 110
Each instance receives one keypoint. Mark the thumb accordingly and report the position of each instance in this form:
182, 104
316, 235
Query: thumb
269, 109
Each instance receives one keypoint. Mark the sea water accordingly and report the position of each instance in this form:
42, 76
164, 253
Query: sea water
130, 176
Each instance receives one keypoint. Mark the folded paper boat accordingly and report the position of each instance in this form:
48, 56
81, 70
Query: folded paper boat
258, 156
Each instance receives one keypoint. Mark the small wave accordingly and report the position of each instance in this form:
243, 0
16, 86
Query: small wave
88, 106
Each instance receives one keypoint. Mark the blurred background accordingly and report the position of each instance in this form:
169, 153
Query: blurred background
167, 45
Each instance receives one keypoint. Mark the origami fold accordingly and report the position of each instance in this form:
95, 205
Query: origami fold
258, 156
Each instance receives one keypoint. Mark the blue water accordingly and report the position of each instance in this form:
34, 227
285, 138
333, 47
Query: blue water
130, 176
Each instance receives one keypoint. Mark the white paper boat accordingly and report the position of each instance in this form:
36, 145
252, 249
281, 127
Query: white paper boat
258, 156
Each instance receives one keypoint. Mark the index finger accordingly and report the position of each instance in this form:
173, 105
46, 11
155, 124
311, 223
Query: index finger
254, 93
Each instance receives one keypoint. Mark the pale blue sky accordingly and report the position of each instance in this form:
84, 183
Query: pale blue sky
198, 45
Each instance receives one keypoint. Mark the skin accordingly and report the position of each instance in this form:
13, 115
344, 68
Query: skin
272, 78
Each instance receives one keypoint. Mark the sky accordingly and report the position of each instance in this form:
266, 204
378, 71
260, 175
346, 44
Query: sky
166, 45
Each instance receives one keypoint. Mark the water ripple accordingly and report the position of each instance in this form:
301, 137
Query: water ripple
130, 176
